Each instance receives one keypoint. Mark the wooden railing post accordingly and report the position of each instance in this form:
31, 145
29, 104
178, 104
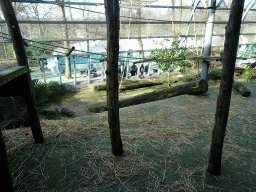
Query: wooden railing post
21, 56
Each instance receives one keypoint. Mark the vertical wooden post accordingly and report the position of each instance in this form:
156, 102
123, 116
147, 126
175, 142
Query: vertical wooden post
112, 18
223, 101
6, 178
21, 56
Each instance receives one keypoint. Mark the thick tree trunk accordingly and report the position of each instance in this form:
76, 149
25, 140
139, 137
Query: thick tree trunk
34, 6
112, 18
129, 85
240, 88
223, 101
65, 43
139, 33
192, 88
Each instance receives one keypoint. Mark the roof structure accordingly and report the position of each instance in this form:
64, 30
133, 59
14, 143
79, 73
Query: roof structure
146, 21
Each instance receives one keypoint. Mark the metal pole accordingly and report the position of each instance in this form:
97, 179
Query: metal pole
89, 69
102, 72
59, 69
208, 37
127, 68
149, 65
42, 64
74, 69
138, 70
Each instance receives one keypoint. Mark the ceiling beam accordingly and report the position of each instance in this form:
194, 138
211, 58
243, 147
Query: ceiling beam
102, 4
123, 22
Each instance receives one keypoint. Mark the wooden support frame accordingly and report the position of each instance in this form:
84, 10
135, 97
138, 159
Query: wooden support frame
25, 79
17, 81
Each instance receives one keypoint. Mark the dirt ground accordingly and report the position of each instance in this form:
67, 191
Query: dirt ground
85, 97
166, 144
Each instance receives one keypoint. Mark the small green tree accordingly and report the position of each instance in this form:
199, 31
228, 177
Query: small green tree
175, 52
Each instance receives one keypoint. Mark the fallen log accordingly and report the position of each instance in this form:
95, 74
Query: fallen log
192, 88
241, 89
129, 85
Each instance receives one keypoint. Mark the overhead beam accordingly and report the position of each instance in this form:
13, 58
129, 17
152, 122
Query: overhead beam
196, 3
123, 22
101, 4
149, 37
248, 8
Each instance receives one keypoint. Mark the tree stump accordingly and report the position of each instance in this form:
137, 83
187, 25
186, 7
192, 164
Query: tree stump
241, 89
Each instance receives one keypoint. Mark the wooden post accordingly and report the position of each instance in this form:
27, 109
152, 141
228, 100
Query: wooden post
223, 101
21, 56
6, 179
112, 18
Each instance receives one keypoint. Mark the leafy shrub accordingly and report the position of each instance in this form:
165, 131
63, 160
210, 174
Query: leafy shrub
249, 75
14, 109
215, 74
192, 77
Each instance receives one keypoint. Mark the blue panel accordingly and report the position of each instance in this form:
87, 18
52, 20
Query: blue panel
62, 60
250, 47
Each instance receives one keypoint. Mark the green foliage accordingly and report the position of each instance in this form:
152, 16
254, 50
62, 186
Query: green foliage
215, 74
175, 52
249, 75
14, 110
9, 49
34, 48
251, 65
192, 77
38, 49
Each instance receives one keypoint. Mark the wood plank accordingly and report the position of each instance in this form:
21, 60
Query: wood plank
9, 73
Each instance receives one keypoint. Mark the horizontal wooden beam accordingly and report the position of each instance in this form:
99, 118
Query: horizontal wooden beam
248, 54
9, 73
